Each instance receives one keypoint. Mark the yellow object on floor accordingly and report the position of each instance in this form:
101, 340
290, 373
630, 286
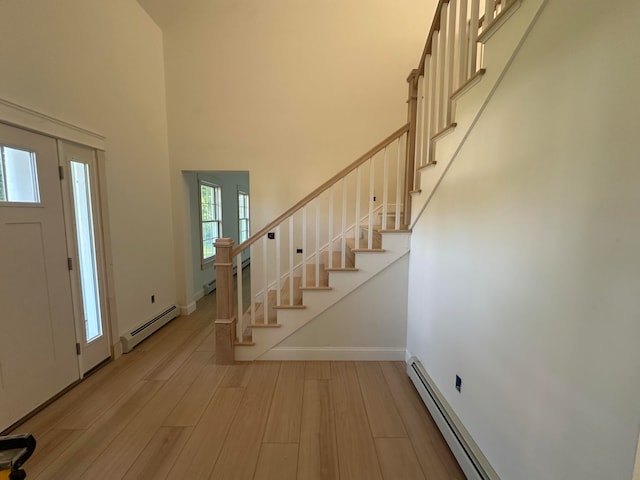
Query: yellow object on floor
14, 451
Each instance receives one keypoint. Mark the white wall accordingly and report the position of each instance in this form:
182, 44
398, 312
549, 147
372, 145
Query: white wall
524, 267
366, 324
291, 91
99, 65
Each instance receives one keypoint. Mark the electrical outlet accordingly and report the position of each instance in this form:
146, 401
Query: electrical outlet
153, 299
458, 383
298, 250
271, 235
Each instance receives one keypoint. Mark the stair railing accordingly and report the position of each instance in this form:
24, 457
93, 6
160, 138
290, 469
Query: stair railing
294, 251
451, 62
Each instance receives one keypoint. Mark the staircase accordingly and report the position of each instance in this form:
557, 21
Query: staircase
358, 223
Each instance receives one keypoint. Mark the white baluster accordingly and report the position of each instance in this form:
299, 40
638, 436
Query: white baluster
304, 246
265, 280
489, 12
330, 250
436, 85
428, 105
473, 37
371, 194
317, 270
278, 293
358, 200
401, 143
385, 187
253, 289
442, 68
344, 224
291, 260
462, 44
420, 108
240, 315
451, 42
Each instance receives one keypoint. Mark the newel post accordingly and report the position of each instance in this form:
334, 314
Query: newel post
412, 117
225, 323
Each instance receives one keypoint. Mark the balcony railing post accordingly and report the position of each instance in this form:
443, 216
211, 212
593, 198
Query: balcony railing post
225, 323
412, 104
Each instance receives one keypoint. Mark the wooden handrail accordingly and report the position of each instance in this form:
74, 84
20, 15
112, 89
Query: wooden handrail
322, 188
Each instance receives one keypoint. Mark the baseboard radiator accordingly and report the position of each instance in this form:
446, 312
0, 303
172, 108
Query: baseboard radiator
138, 334
471, 460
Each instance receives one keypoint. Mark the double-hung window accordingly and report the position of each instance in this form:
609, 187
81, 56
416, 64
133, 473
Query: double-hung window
243, 216
210, 219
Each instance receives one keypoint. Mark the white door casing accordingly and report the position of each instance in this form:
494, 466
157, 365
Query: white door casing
84, 242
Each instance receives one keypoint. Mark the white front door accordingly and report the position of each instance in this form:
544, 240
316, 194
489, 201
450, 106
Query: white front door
80, 194
38, 355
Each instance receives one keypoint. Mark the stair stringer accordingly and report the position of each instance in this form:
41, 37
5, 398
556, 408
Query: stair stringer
500, 48
342, 283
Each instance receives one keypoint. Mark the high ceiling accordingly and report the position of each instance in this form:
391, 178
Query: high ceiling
163, 11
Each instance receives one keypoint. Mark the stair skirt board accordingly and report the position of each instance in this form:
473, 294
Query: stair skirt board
471, 460
335, 353
138, 334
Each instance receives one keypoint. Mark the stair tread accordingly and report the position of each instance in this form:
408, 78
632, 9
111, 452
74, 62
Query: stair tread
291, 307
346, 269
264, 325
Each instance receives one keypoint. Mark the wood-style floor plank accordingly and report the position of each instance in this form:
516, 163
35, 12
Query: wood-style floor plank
433, 454
122, 452
196, 398
277, 461
240, 451
318, 453
199, 455
283, 424
398, 460
237, 376
317, 370
357, 453
381, 409
160, 453
81, 455
49, 447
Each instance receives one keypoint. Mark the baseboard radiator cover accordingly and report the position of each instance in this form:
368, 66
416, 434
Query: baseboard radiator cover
471, 460
138, 334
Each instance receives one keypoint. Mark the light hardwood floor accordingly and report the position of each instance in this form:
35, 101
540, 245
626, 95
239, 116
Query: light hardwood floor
167, 411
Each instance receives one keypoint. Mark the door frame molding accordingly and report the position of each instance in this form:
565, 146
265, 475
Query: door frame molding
38, 122
26, 118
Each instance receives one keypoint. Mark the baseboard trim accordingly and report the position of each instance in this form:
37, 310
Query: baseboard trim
187, 309
335, 353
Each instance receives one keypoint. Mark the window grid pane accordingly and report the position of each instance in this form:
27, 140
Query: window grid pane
211, 218
243, 216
